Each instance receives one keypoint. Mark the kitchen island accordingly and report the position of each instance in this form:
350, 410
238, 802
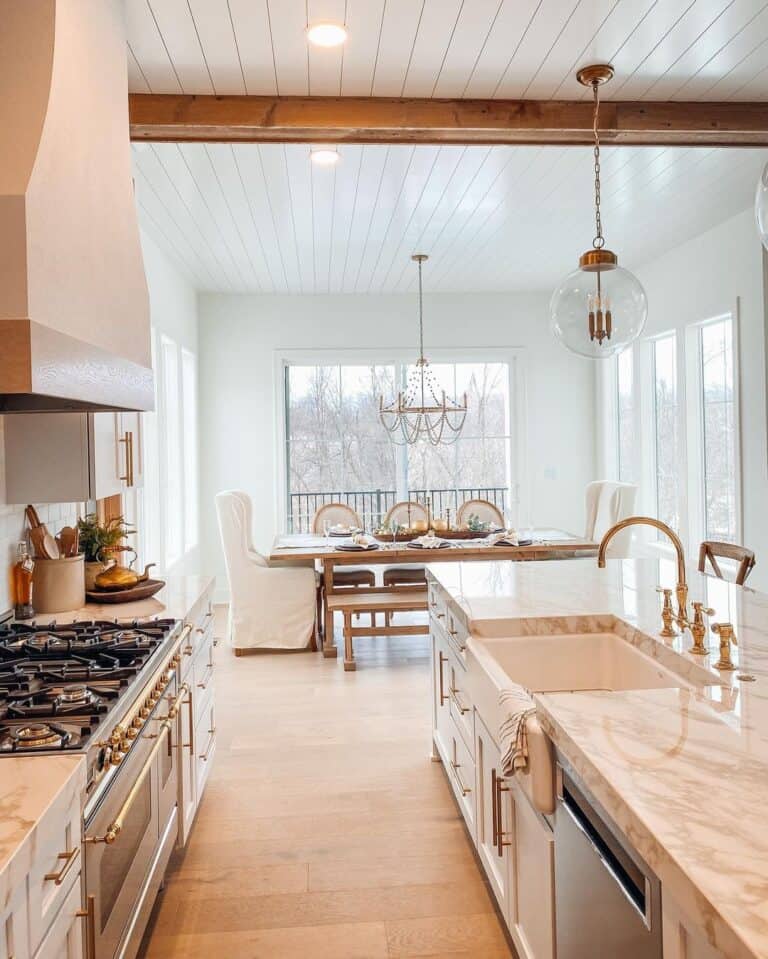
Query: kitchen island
680, 769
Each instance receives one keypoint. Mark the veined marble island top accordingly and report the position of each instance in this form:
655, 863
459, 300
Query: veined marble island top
683, 772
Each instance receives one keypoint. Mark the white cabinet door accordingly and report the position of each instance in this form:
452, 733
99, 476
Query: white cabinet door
495, 827
441, 714
187, 764
532, 907
14, 934
682, 939
66, 936
108, 458
205, 746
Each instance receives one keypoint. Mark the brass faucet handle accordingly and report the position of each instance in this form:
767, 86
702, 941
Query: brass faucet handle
667, 614
725, 632
698, 629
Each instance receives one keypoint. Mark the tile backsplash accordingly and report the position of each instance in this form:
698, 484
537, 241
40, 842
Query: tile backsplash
13, 527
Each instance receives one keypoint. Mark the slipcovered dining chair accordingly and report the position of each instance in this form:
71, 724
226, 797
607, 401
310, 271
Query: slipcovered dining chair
485, 511
269, 607
401, 513
607, 503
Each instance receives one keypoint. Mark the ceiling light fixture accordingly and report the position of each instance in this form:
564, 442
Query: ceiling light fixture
327, 34
423, 411
324, 156
599, 309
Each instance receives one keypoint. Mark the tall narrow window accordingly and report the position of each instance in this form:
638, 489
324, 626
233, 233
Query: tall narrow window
625, 418
718, 417
189, 410
666, 445
171, 419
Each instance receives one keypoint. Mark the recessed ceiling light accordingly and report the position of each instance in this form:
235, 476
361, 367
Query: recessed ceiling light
325, 156
327, 34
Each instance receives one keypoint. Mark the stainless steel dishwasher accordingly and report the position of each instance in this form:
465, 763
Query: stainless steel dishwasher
607, 900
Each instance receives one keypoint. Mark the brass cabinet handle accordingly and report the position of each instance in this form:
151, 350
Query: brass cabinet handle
208, 677
89, 914
204, 756
128, 440
454, 693
116, 827
497, 788
442, 658
69, 859
173, 707
191, 744
465, 790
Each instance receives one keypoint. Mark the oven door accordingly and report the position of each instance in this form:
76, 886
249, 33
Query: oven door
119, 861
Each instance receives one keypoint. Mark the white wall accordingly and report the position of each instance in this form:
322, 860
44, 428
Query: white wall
705, 277
241, 335
173, 310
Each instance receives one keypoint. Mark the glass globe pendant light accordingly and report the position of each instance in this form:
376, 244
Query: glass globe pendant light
761, 206
600, 308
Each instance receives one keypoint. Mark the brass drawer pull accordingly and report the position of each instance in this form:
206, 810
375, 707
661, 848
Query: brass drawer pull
455, 697
208, 677
204, 756
442, 658
465, 790
173, 707
497, 788
69, 859
128, 440
89, 914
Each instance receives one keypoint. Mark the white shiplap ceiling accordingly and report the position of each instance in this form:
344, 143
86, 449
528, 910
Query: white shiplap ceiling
262, 218
661, 49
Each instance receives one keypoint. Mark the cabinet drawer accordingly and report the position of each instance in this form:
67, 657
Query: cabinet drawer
57, 860
460, 705
461, 772
436, 600
205, 747
64, 939
201, 679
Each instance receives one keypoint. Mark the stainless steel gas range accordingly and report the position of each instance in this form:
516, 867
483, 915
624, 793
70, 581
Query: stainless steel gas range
112, 693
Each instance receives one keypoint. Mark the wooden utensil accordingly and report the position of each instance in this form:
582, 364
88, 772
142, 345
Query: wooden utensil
68, 541
32, 518
37, 536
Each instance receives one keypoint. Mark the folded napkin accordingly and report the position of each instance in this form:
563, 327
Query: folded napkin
516, 705
507, 537
429, 542
360, 539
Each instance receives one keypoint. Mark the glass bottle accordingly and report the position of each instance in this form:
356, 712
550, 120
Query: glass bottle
22, 583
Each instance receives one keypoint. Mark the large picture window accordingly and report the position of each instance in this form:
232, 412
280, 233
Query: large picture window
337, 449
665, 416
718, 420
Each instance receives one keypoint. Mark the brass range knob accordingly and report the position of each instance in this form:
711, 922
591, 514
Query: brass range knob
116, 758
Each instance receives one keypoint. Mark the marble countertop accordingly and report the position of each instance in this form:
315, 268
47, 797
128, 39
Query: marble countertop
174, 601
683, 772
28, 786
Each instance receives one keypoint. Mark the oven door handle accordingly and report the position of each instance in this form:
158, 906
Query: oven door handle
116, 827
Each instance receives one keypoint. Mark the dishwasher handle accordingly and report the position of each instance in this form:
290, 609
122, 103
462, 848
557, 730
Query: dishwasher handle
632, 882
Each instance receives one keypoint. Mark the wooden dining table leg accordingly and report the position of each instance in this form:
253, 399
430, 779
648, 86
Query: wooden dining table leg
349, 654
329, 646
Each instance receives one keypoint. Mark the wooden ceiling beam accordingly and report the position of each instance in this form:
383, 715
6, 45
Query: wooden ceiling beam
251, 119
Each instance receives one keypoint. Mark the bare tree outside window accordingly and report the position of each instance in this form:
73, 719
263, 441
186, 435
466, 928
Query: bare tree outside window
665, 408
338, 449
718, 407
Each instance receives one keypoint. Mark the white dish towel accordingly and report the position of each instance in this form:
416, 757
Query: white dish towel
516, 705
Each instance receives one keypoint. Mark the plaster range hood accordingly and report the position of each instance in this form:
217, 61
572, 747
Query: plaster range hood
74, 307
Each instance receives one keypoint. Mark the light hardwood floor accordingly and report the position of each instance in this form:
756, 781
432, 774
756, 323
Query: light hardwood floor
325, 831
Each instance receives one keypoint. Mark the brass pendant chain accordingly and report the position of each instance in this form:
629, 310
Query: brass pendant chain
598, 242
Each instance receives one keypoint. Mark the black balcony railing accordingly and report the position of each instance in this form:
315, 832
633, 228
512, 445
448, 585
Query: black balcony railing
371, 505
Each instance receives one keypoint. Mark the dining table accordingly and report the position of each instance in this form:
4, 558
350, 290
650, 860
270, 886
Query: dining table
330, 552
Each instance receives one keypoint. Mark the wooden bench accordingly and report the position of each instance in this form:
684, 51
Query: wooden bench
388, 601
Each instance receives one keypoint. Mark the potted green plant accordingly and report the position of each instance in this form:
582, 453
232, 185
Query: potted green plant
98, 541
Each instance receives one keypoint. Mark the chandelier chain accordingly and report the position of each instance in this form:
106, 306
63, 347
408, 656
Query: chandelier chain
598, 242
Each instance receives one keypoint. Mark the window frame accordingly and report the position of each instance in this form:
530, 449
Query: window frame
696, 474
514, 357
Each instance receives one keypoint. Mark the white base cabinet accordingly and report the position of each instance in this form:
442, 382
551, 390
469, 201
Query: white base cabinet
197, 727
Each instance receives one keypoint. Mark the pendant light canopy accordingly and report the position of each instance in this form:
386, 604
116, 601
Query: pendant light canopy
600, 308
423, 411
761, 207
